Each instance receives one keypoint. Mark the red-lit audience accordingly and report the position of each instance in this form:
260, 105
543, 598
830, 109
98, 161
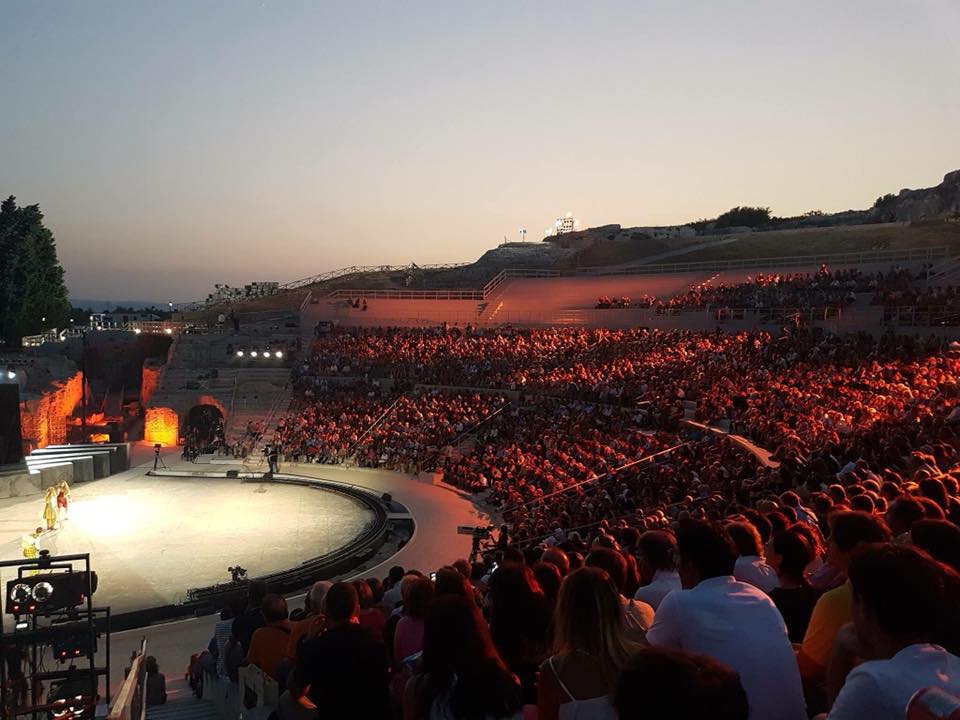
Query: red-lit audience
645, 569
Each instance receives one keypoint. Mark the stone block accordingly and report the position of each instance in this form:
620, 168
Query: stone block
25, 484
53, 475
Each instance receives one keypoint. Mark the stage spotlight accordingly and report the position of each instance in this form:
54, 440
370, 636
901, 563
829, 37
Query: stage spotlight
48, 593
239, 353
11, 375
278, 354
253, 353
137, 331
42, 592
169, 331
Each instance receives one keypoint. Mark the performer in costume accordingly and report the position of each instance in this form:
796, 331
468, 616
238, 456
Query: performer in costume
31, 544
63, 500
50, 508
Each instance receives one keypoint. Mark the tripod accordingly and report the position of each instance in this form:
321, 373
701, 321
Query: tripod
157, 460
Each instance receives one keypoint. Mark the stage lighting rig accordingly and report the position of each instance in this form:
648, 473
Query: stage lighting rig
44, 594
50, 599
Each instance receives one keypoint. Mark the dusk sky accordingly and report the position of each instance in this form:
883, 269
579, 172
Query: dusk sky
173, 145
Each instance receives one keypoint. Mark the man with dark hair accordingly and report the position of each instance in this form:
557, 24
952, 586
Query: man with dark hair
903, 512
848, 530
657, 559
268, 644
663, 683
637, 615
559, 558
252, 619
730, 621
751, 567
391, 595
901, 608
346, 667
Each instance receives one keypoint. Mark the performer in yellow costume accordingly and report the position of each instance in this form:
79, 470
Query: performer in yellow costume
50, 508
30, 543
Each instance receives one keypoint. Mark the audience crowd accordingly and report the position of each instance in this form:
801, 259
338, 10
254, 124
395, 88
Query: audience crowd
649, 565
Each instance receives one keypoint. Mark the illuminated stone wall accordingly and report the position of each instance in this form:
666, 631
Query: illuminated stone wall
149, 380
43, 420
162, 426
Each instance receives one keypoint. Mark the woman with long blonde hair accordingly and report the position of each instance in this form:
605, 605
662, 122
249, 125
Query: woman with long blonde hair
589, 650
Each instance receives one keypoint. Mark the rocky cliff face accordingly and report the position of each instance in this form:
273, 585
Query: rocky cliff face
939, 202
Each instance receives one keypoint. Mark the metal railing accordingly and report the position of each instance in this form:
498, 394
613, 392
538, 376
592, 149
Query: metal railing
498, 280
130, 701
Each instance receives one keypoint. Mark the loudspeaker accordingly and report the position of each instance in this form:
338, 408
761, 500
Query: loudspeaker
233, 473
11, 442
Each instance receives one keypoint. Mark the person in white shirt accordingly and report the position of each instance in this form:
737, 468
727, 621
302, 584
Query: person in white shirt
657, 561
751, 566
730, 621
902, 609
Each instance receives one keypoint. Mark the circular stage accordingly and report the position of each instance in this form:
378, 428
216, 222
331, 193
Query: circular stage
151, 539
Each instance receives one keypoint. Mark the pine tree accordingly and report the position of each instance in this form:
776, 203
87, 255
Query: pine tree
31, 279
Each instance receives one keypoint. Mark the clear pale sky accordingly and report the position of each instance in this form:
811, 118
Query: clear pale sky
176, 144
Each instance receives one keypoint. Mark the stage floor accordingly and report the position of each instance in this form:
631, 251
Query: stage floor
151, 539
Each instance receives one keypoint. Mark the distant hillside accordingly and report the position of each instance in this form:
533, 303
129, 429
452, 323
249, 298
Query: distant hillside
928, 217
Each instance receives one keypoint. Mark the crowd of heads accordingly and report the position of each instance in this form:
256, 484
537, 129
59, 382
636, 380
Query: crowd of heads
599, 450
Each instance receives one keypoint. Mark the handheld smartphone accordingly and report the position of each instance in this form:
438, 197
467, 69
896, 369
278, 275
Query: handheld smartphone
433, 577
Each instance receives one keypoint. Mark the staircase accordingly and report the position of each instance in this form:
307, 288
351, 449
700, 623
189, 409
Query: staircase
186, 708
182, 704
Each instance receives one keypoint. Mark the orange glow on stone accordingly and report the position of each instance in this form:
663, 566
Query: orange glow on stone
162, 426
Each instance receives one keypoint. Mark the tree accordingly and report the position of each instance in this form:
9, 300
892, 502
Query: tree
754, 217
885, 201
31, 279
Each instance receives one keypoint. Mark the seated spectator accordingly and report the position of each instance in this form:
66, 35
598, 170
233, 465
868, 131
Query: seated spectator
156, 692
637, 615
312, 622
370, 616
901, 602
589, 649
751, 567
252, 618
902, 513
663, 683
408, 637
346, 667
391, 589
940, 538
268, 646
730, 621
461, 676
848, 530
656, 553
519, 623
790, 553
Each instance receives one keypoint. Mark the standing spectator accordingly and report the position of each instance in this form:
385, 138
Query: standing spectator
268, 646
461, 675
731, 621
657, 558
346, 667
589, 649
901, 600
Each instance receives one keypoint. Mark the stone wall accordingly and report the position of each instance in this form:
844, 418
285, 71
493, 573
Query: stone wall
43, 418
162, 426
150, 379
